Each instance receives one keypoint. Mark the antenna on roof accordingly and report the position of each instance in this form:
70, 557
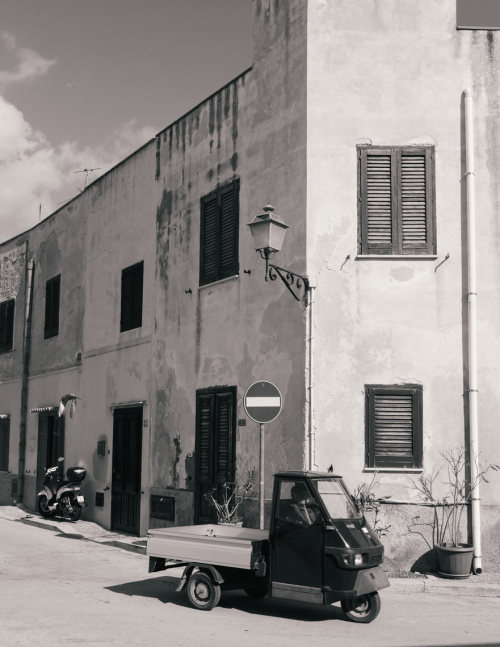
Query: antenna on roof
87, 171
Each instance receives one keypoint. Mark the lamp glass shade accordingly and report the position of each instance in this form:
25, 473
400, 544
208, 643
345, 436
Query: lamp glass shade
268, 233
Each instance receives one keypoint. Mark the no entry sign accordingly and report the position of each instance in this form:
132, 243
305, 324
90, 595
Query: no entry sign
262, 402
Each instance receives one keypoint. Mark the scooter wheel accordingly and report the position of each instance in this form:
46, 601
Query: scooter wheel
69, 509
43, 508
363, 609
202, 591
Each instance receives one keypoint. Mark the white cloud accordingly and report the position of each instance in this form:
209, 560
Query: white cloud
30, 64
33, 172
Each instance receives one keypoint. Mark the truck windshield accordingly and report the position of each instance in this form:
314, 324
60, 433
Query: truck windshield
336, 499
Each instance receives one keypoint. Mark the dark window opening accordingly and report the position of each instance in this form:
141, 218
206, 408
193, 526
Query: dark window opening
219, 234
52, 299
6, 325
4, 444
396, 200
393, 426
131, 298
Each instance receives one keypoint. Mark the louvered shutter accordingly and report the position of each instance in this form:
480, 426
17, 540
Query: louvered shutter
378, 202
204, 437
131, 297
219, 234
223, 437
52, 297
228, 232
6, 325
396, 198
209, 244
414, 229
4, 444
394, 426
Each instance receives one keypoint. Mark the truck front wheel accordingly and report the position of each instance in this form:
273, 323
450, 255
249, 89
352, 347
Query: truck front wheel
363, 609
202, 591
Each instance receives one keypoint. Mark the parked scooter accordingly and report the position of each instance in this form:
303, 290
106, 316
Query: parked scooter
62, 496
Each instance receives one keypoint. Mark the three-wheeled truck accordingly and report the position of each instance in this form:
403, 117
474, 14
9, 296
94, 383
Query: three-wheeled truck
319, 549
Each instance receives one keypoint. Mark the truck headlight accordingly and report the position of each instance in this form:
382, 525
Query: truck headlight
358, 559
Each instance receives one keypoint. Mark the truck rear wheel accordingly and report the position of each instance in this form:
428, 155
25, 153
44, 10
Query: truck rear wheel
202, 591
363, 609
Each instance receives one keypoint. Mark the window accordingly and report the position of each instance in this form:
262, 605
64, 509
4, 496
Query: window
478, 14
219, 234
215, 445
6, 325
52, 294
4, 444
131, 304
393, 426
396, 200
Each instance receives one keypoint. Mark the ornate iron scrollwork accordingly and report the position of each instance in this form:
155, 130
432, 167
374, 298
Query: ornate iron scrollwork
297, 285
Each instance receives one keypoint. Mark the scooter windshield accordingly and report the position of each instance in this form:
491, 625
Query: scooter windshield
336, 499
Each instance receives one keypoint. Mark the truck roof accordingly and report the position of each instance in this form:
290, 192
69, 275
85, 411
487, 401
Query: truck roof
307, 474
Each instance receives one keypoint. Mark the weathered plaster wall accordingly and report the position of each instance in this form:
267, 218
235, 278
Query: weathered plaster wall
393, 73
241, 329
117, 365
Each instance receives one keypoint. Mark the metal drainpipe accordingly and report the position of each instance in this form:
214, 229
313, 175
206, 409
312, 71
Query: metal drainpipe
24, 381
472, 332
310, 412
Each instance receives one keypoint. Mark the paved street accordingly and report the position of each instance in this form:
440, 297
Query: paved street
59, 590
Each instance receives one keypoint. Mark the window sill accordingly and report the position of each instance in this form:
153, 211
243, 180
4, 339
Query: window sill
396, 257
395, 470
228, 278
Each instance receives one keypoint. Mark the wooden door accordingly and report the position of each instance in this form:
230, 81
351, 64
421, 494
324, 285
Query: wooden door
50, 443
126, 477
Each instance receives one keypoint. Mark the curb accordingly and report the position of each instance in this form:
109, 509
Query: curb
39, 524
433, 585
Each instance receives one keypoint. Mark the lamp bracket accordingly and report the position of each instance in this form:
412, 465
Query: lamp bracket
295, 283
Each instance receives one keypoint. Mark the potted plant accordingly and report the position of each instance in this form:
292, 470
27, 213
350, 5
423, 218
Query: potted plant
227, 499
454, 556
369, 505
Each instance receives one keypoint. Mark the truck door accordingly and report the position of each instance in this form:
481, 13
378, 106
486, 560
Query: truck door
297, 543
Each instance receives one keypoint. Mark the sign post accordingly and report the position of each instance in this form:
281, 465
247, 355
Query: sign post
262, 404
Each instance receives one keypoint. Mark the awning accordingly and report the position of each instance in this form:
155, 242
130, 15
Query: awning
42, 409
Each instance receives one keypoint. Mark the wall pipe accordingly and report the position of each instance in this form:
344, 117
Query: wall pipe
472, 332
24, 379
310, 360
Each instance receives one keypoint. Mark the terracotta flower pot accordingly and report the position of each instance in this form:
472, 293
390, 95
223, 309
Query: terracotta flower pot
454, 561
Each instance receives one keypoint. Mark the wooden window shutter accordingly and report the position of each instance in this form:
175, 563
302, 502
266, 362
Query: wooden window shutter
131, 297
204, 452
219, 233
228, 229
4, 444
6, 325
394, 426
224, 426
396, 200
378, 206
209, 241
52, 300
416, 201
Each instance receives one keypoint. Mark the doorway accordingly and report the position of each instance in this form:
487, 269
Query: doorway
50, 444
126, 470
215, 447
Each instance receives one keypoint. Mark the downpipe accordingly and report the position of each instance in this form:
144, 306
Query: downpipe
472, 333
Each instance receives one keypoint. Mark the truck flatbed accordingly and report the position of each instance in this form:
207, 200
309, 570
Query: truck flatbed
219, 545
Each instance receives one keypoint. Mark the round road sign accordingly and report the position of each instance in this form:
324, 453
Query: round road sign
262, 402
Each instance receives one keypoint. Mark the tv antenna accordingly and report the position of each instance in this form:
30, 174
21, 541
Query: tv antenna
87, 172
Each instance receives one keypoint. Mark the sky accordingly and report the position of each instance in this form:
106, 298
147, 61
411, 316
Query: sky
83, 83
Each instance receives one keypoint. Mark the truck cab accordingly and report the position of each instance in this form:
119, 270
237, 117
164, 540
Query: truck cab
322, 550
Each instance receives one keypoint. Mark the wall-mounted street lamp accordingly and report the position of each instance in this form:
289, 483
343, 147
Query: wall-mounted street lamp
268, 231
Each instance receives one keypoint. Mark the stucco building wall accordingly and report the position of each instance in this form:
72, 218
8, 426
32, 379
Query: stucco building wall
392, 73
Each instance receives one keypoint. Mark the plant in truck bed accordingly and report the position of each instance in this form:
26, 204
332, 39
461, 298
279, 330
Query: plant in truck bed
227, 498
